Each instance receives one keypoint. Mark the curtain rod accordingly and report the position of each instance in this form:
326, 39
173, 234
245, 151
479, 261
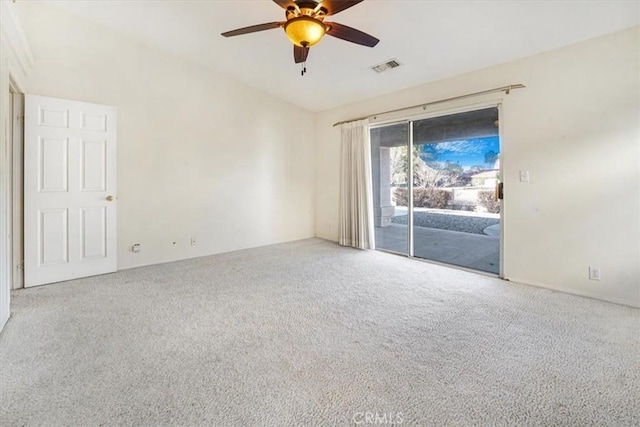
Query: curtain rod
505, 89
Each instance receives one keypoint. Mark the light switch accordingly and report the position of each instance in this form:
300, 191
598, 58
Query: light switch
524, 176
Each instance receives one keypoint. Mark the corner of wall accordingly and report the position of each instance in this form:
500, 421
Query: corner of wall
16, 61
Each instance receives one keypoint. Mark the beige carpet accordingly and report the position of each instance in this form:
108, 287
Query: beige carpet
309, 333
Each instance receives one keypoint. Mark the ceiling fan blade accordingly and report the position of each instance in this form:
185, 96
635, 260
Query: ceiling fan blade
253, 29
335, 6
285, 3
300, 53
351, 34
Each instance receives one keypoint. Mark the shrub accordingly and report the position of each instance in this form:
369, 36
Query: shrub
423, 197
487, 199
400, 196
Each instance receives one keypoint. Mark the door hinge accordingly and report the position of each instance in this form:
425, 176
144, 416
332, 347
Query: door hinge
20, 118
20, 266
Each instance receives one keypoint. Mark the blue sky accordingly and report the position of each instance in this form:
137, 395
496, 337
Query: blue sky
466, 153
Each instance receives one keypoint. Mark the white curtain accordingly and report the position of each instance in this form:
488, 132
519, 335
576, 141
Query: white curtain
356, 199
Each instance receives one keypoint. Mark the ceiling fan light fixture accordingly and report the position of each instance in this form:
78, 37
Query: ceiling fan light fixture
305, 31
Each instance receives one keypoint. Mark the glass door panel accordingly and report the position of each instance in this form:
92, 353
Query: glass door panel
456, 165
390, 183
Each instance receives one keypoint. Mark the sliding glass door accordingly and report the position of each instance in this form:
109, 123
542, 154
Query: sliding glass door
435, 184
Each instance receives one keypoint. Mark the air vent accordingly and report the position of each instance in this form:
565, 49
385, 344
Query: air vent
386, 66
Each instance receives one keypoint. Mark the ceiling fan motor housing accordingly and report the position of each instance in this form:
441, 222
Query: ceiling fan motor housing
310, 5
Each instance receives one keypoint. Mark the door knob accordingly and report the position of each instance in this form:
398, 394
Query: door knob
109, 198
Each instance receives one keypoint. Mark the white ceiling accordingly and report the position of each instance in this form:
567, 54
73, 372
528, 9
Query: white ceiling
432, 39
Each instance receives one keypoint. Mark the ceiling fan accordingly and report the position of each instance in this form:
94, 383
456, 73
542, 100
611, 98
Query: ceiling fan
305, 25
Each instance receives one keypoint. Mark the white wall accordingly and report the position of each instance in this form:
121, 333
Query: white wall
198, 155
576, 128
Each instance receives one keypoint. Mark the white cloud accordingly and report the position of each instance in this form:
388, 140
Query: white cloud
466, 146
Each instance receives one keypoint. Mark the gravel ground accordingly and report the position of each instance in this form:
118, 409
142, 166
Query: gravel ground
466, 224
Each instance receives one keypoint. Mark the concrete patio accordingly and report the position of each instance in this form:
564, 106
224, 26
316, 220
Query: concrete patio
479, 252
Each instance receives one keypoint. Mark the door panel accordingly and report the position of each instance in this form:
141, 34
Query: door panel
53, 171
456, 218
93, 165
389, 165
94, 244
53, 236
70, 170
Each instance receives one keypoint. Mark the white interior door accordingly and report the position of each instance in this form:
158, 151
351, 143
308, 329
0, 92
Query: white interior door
69, 190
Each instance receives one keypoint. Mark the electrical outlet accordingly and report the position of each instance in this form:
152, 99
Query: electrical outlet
193, 241
524, 176
136, 248
594, 273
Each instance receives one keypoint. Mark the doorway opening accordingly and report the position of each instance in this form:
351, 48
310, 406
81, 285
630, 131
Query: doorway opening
436, 188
